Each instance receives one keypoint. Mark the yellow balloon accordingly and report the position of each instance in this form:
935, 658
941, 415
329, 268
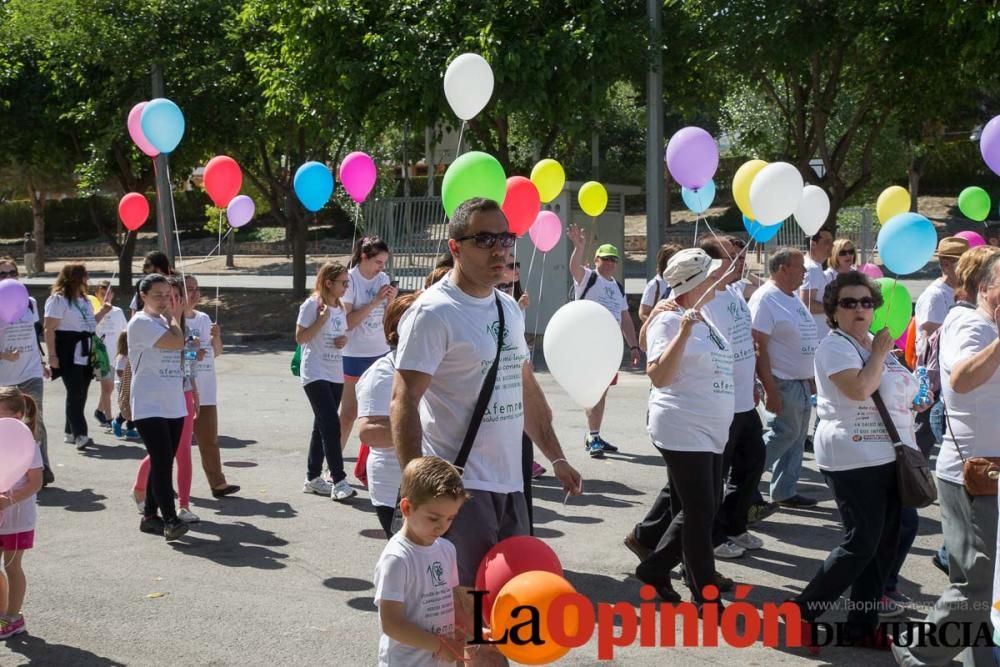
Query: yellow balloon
593, 198
549, 177
94, 302
893, 201
741, 185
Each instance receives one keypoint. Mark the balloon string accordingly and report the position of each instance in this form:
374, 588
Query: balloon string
458, 151
531, 264
354, 239
538, 307
724, 275
179, 264
218, 272
510, 288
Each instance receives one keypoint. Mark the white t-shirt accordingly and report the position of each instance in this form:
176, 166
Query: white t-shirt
374, 390
932, 306
200, 326
973, 417
23, 516
816, 279
321, 359
605, 292
367, 339
423, 579
110, 326
77, 315
453, 337
729, 314
693, 413
157, 388
21, 336
649, 295
790, 328
850, 433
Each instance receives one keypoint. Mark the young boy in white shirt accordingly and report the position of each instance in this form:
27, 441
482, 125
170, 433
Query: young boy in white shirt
417, 574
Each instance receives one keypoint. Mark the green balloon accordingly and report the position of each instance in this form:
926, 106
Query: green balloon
473, 174
974, 203
896, 309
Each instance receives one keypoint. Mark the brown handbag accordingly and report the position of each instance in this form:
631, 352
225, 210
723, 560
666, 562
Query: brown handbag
914, 479
979, 473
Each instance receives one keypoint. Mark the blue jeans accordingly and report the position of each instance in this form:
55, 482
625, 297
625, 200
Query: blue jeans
786, 439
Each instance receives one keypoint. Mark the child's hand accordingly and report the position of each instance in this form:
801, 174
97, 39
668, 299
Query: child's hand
339, 342
5, 501
450, 649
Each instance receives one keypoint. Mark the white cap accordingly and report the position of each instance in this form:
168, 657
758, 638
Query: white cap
687, 269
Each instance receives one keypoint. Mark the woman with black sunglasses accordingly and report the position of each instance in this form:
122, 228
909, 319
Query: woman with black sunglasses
843, 258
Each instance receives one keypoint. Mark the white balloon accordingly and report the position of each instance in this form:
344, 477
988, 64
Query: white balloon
813, 209
468, 85
775, 193
583, 350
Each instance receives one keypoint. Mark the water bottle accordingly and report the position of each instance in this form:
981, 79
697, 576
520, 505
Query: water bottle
190, 355
923, 393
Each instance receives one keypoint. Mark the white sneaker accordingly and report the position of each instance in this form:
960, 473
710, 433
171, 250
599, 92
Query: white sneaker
319, 486
82, 442
342, 491
728, 549
747, 540
69, 439
187, 516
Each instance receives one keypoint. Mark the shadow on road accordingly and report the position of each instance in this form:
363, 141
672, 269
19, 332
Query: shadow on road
362, 604
84, 500
229, 442
239, 506
239, 544
347, 584
40, 652
121, 452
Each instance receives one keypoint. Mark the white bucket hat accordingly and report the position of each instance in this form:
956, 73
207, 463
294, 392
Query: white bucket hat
687, 269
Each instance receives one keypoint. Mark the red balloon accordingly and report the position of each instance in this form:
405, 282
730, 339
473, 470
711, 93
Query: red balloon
223, 178
509, 558
133, 209
521, 205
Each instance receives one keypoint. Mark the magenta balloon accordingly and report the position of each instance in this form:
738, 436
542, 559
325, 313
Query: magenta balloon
240, 211
358, 175
17, 449
692, 157
545, 231
973, 238
135, 131
989, 144
870, 270
13, 301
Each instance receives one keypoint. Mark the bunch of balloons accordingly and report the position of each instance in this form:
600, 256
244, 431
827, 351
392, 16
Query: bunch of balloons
156, 126
759, 232
223, 180
769, 193
583, 349
699, 200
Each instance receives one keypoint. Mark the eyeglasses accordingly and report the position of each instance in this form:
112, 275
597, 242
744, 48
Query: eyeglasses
846, 253
510, 267
8, 274
346, 281
608, 259
849, 303
487, 240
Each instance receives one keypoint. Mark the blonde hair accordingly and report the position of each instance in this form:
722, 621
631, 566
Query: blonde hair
839, 245
18, 402
967, 272
427, 478
328, 271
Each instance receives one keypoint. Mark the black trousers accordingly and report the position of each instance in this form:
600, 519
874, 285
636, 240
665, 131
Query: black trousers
161, 437
695, 480
869, 508
743, 465
384, 514
527, 456
76, 379
324, 397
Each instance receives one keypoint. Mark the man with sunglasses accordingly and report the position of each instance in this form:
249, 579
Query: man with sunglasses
600, 286
815, 281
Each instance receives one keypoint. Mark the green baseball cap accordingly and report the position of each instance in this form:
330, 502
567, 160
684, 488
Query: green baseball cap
607, 250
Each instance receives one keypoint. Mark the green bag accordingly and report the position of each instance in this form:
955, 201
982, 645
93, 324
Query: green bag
99, 359
297, 361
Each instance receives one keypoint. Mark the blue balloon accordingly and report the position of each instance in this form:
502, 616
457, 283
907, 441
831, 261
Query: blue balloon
699, 200
906, 243
313, 185
759, 232
163, 124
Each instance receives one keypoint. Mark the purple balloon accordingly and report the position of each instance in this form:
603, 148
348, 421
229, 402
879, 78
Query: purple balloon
13, 301
240, 211
692, 157
989, 144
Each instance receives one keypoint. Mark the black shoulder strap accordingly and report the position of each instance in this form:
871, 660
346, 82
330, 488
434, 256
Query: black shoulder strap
883, 412
484, 395
621, 288
590, 283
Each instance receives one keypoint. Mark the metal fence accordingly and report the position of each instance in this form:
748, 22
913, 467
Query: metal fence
852, 223
415, 229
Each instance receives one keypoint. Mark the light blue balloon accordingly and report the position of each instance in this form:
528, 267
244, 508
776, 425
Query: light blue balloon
759, 232
699, 200
313, 185
906, 243
163, 124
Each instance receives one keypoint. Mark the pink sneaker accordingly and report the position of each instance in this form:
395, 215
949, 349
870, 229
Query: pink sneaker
11, 628
536, 470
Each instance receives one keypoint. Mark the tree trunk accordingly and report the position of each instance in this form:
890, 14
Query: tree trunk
38, 226
914, 172
125, 265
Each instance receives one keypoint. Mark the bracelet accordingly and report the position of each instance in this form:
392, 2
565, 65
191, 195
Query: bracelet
558, 461
634, 347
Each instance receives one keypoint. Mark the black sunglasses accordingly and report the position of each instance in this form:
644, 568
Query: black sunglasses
846, 253
850, 303
8, 274
487, 240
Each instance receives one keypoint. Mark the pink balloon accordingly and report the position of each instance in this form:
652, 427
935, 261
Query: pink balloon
17, 449
901, 341
870, 270
545, 231
135, 131
240, 211
973, 238
358, 175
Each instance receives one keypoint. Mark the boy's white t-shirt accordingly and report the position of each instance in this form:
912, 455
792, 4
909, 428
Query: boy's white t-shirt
157, 388
423, 579
367, 339
110, 326
605, 292
973, 417
791, 331
77, 315
321, 359
850, 433
200, 326
729, 313
374, 390
22, 516
816, 279
649, 295
452, 337
693, 413
21, 336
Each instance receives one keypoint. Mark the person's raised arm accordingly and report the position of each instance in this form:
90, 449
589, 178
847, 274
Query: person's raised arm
173, 338
305, 334
575, 235
662, 369
408, 387
974, 371
858, 384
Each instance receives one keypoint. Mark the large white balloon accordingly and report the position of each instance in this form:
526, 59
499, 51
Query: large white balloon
775, 192
583, 350
813, 209
468, 85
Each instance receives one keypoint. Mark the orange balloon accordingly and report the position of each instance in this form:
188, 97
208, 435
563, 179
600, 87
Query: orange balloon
537, 589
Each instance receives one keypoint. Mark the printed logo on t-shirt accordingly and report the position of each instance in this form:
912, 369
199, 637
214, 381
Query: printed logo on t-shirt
609, 292
494, 329
436, 572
